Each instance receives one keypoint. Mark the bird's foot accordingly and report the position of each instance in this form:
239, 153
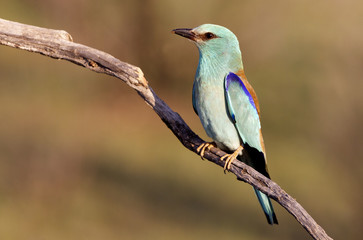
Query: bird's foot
203, 146
230, 158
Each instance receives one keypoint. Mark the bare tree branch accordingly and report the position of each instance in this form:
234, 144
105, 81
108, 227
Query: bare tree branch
59, 44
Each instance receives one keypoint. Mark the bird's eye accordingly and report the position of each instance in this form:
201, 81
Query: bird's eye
209, 35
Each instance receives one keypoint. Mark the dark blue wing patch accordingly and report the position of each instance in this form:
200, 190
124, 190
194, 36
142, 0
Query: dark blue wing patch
231, 77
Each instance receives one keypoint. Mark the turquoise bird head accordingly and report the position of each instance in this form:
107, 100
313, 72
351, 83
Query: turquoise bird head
217, 45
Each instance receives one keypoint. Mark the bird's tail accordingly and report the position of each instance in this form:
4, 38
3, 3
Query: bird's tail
266, 206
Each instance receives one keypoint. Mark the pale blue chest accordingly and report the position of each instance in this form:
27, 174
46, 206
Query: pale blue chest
209, 102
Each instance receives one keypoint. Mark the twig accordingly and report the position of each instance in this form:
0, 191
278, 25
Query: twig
59, 44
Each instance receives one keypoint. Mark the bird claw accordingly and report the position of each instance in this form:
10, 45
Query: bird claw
203, 146
230, 158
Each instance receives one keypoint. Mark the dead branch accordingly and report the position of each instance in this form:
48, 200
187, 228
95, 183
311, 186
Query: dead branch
59, 44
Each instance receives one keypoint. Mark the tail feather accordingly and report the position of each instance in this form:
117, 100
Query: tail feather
267, 207
256, 159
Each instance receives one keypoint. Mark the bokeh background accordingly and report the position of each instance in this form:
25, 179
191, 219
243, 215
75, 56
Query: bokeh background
83, 157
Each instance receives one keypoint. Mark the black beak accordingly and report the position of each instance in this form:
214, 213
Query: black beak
185, 32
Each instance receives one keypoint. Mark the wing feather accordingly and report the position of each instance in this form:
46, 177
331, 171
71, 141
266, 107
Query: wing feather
242, 110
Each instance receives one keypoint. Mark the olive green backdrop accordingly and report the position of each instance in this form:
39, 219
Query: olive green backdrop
82, 156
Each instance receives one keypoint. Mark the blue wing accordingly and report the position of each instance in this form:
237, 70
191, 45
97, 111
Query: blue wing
242, 111
193, 98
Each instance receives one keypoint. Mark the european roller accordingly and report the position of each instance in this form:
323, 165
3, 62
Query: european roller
226, 103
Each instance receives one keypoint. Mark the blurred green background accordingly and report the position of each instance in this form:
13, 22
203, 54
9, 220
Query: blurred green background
83, 157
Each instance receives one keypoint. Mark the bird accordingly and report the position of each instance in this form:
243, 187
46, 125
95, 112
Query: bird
226, 103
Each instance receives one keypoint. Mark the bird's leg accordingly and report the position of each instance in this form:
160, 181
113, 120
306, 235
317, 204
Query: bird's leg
230, 158
203, 146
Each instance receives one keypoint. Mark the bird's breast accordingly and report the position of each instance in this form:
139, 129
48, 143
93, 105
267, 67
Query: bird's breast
211, 107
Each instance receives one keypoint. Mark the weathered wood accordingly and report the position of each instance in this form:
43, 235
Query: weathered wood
59, 44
